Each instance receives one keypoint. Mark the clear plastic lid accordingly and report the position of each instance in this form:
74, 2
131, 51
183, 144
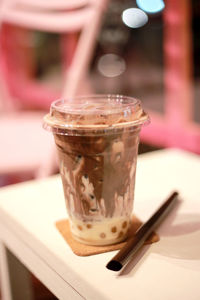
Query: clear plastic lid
94, 113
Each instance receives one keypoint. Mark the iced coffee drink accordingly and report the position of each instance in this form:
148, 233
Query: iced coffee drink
97, 141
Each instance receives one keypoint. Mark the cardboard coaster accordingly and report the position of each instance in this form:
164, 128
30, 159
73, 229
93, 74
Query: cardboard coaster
86, 250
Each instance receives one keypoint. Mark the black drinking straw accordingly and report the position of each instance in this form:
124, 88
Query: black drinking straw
134, 243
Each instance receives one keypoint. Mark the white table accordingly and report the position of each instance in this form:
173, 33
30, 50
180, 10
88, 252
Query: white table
169, 269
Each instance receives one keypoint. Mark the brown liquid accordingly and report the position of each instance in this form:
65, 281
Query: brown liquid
98, 173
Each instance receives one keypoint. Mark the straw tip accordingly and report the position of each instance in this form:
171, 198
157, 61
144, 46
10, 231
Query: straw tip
114, 265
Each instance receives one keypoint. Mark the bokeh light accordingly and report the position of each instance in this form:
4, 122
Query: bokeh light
151, 6
111, 65
134, 17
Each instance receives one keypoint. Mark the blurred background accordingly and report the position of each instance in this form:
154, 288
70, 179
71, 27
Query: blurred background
148, 49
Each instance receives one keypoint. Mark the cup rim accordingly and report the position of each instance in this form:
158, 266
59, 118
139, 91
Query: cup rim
124, 104
74, 102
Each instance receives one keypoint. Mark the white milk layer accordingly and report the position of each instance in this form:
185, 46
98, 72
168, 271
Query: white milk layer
105, 232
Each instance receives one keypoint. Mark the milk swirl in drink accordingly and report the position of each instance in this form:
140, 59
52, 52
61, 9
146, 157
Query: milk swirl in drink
97, 141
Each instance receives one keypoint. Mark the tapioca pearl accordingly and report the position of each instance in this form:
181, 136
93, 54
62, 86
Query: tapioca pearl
89, 226
114, 229
120, 234
102, 235
93, 210
80, 227
78, 158
124, 224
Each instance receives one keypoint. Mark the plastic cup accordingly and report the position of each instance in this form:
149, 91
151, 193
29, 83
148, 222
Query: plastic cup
97, 141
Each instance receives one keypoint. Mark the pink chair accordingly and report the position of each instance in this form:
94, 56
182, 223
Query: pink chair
28, 15
176, 127
25, 146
